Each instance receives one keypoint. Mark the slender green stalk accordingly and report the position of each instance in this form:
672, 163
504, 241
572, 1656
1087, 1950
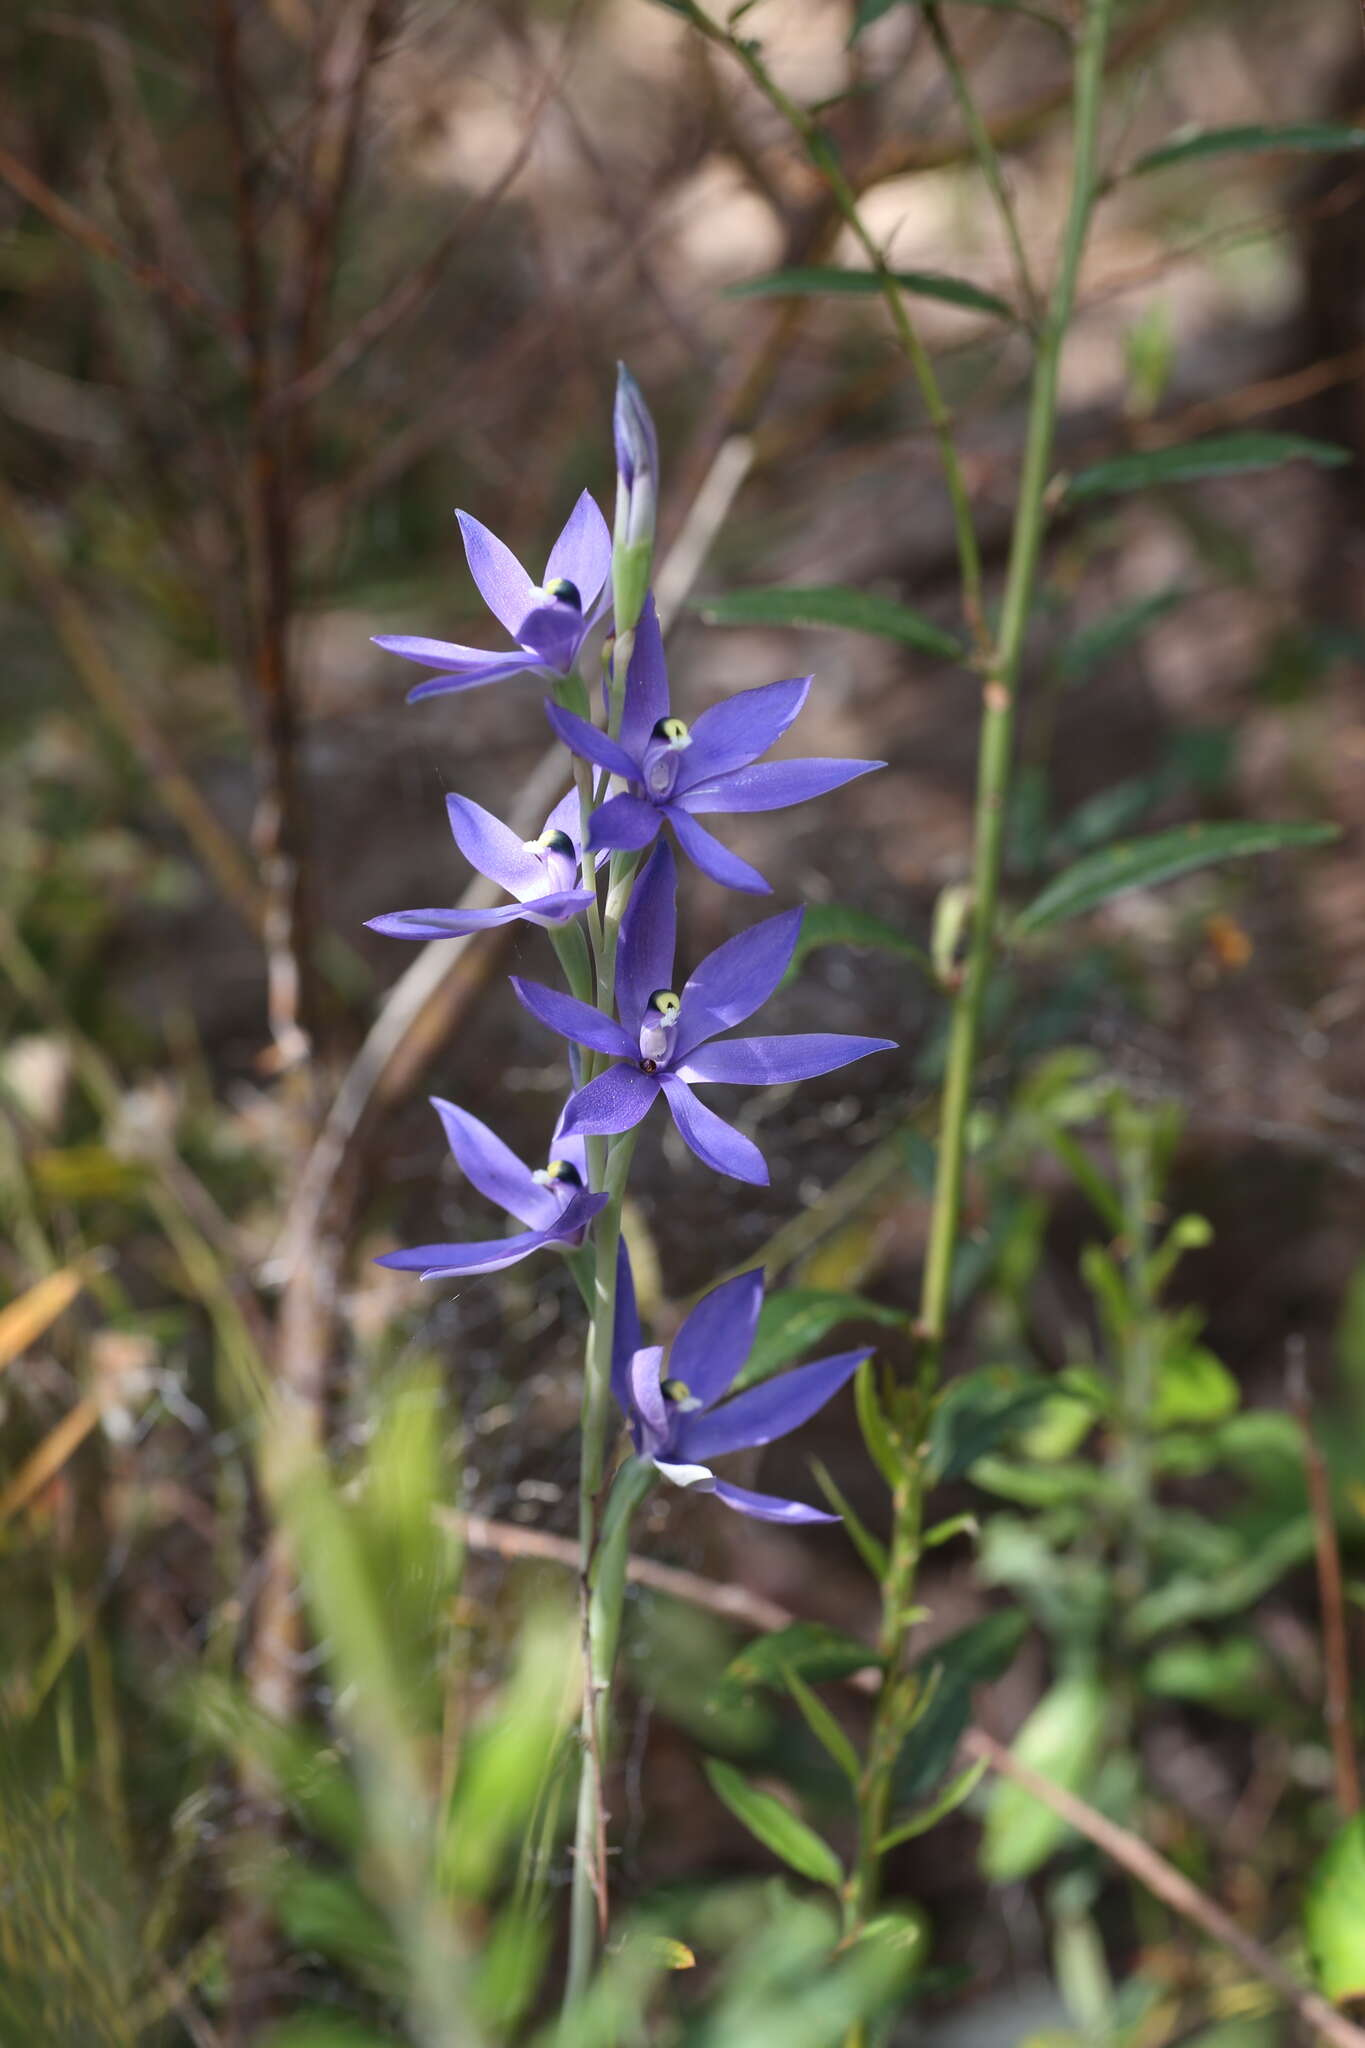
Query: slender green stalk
997, 731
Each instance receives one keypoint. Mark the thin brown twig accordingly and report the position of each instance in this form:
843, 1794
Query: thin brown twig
1129, 1851
222, 857
1331, 1592
96, 241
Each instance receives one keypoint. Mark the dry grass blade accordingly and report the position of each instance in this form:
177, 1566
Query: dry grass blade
23, 1321
46, 1462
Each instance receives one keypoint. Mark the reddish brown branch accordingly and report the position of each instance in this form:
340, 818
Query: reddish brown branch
1331, 1594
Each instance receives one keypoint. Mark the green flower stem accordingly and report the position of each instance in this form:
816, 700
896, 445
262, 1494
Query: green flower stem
997, 731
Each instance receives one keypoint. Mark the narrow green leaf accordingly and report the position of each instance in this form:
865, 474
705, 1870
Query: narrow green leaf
954, 1792
808, 1648
829, 604
829, 280
870, 1550
944, 1532
1334, 1914
824, 1727
1142, 863
1217, 455
775, 1826
946, 1676
1062, 1739
836, 924
1311, 138
881, 1445
795, 1319
1104, 638
977, 1412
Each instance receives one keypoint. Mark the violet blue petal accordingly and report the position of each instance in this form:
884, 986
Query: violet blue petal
571, 1150
772, 785
717, 1337
716, 860
646, 695
554, 630
494, 849
590, 742
450, 1261
565, 818
504, 585
649, 926
557, 908
497, 666
492, 1167
572, 1019
626, 1334
768, 1507
440, 653
767, 1412
793, 1056
735, 980
615, 1101
733, 733
623, 823
459, 924
582, 553
717, 1144
647, 1400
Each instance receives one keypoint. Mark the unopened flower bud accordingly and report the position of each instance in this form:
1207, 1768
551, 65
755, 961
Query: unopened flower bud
637, 496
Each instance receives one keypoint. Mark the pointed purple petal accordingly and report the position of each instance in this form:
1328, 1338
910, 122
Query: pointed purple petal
716, 1143
735, 980
646, 698
732, 734
590, 742
768, 1507
791, 1056
497, 667
583, 551
626, 1336
572, 1019
492, 1167
623, 823
449, 1261
565, 818
772, 785
647, 1402
493, 848
649, 930
615, 1101
440, 653
767, 1412
444, 924
716, 860
572, 1149
557, 908
504, 585
555, 632
717, 1337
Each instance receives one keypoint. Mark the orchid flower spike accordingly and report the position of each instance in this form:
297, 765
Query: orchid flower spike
541, 873
661, 1043
671, 1405
549, 620
637, 498
672, 770
553, 1201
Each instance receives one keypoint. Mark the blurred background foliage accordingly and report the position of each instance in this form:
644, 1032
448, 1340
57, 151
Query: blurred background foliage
281, 283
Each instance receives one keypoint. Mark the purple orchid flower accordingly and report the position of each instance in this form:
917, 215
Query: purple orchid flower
553, 1201
549, 620
542, 874
662, 1044
672, 1408
674, 771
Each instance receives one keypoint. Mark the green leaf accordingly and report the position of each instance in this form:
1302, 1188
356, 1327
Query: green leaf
807, 1648
824, 1727
872, 1421
947, 1675
1104, 638
1142, 863
835, 924
1192, 1386
872, 1552
1311, 138
954, 1792
1217, 455
977, 1412
794, 1319
829, 604
775, 1826
830, 280
1230, 1674
1062, 1739
1334, 1914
